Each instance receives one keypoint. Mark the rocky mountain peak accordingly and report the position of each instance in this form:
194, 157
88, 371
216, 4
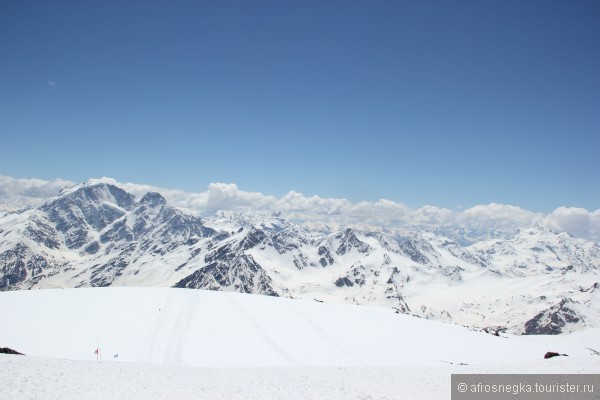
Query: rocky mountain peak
153, 199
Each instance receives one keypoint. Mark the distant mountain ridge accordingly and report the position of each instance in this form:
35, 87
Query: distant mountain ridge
97, 234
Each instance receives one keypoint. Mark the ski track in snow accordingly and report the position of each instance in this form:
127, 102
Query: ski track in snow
214, 345
153, 333
171, 326
326, 337
180, 331
263, 334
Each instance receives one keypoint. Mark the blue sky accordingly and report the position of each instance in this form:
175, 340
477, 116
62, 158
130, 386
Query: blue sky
448, 103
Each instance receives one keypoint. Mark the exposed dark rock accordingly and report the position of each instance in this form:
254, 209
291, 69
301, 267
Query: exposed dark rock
300, 261
6, 350
233, 272
283, 242
551, 354
18, 263
153, 199
326, 258
92, 248
104, 275
349, 241
253, 239
591, 288
491, 331
42, 231
94, 206
553, 320
409, 247
341, 282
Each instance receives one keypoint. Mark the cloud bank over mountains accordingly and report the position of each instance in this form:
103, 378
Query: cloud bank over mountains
20, 193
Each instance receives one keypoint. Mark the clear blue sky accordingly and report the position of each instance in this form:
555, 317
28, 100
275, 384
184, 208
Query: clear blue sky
449, 103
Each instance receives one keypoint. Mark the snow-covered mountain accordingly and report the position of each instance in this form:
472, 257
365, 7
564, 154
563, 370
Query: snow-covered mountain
97, 234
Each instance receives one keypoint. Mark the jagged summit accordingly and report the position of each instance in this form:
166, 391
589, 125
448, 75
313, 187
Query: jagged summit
97, 234
153, 199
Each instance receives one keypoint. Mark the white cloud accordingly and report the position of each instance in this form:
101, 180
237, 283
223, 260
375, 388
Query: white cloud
228, 196
335, 212
298, 203
431, 215
578, 221
20, 193
501, 217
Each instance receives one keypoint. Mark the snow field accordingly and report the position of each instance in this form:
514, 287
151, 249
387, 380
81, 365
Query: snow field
193, 344
35, 378
217, 329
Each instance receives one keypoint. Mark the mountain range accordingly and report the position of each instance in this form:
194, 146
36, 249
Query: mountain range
533, 281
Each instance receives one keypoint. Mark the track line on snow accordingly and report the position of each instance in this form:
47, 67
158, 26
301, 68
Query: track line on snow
262, 333
181, 328
326, 336
150, 338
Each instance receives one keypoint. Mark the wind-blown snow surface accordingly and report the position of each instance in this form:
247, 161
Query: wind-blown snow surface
31, 378
169, 342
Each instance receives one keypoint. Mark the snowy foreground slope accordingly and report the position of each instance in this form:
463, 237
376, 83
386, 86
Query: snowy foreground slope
217, 329
169, 342
31, 378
